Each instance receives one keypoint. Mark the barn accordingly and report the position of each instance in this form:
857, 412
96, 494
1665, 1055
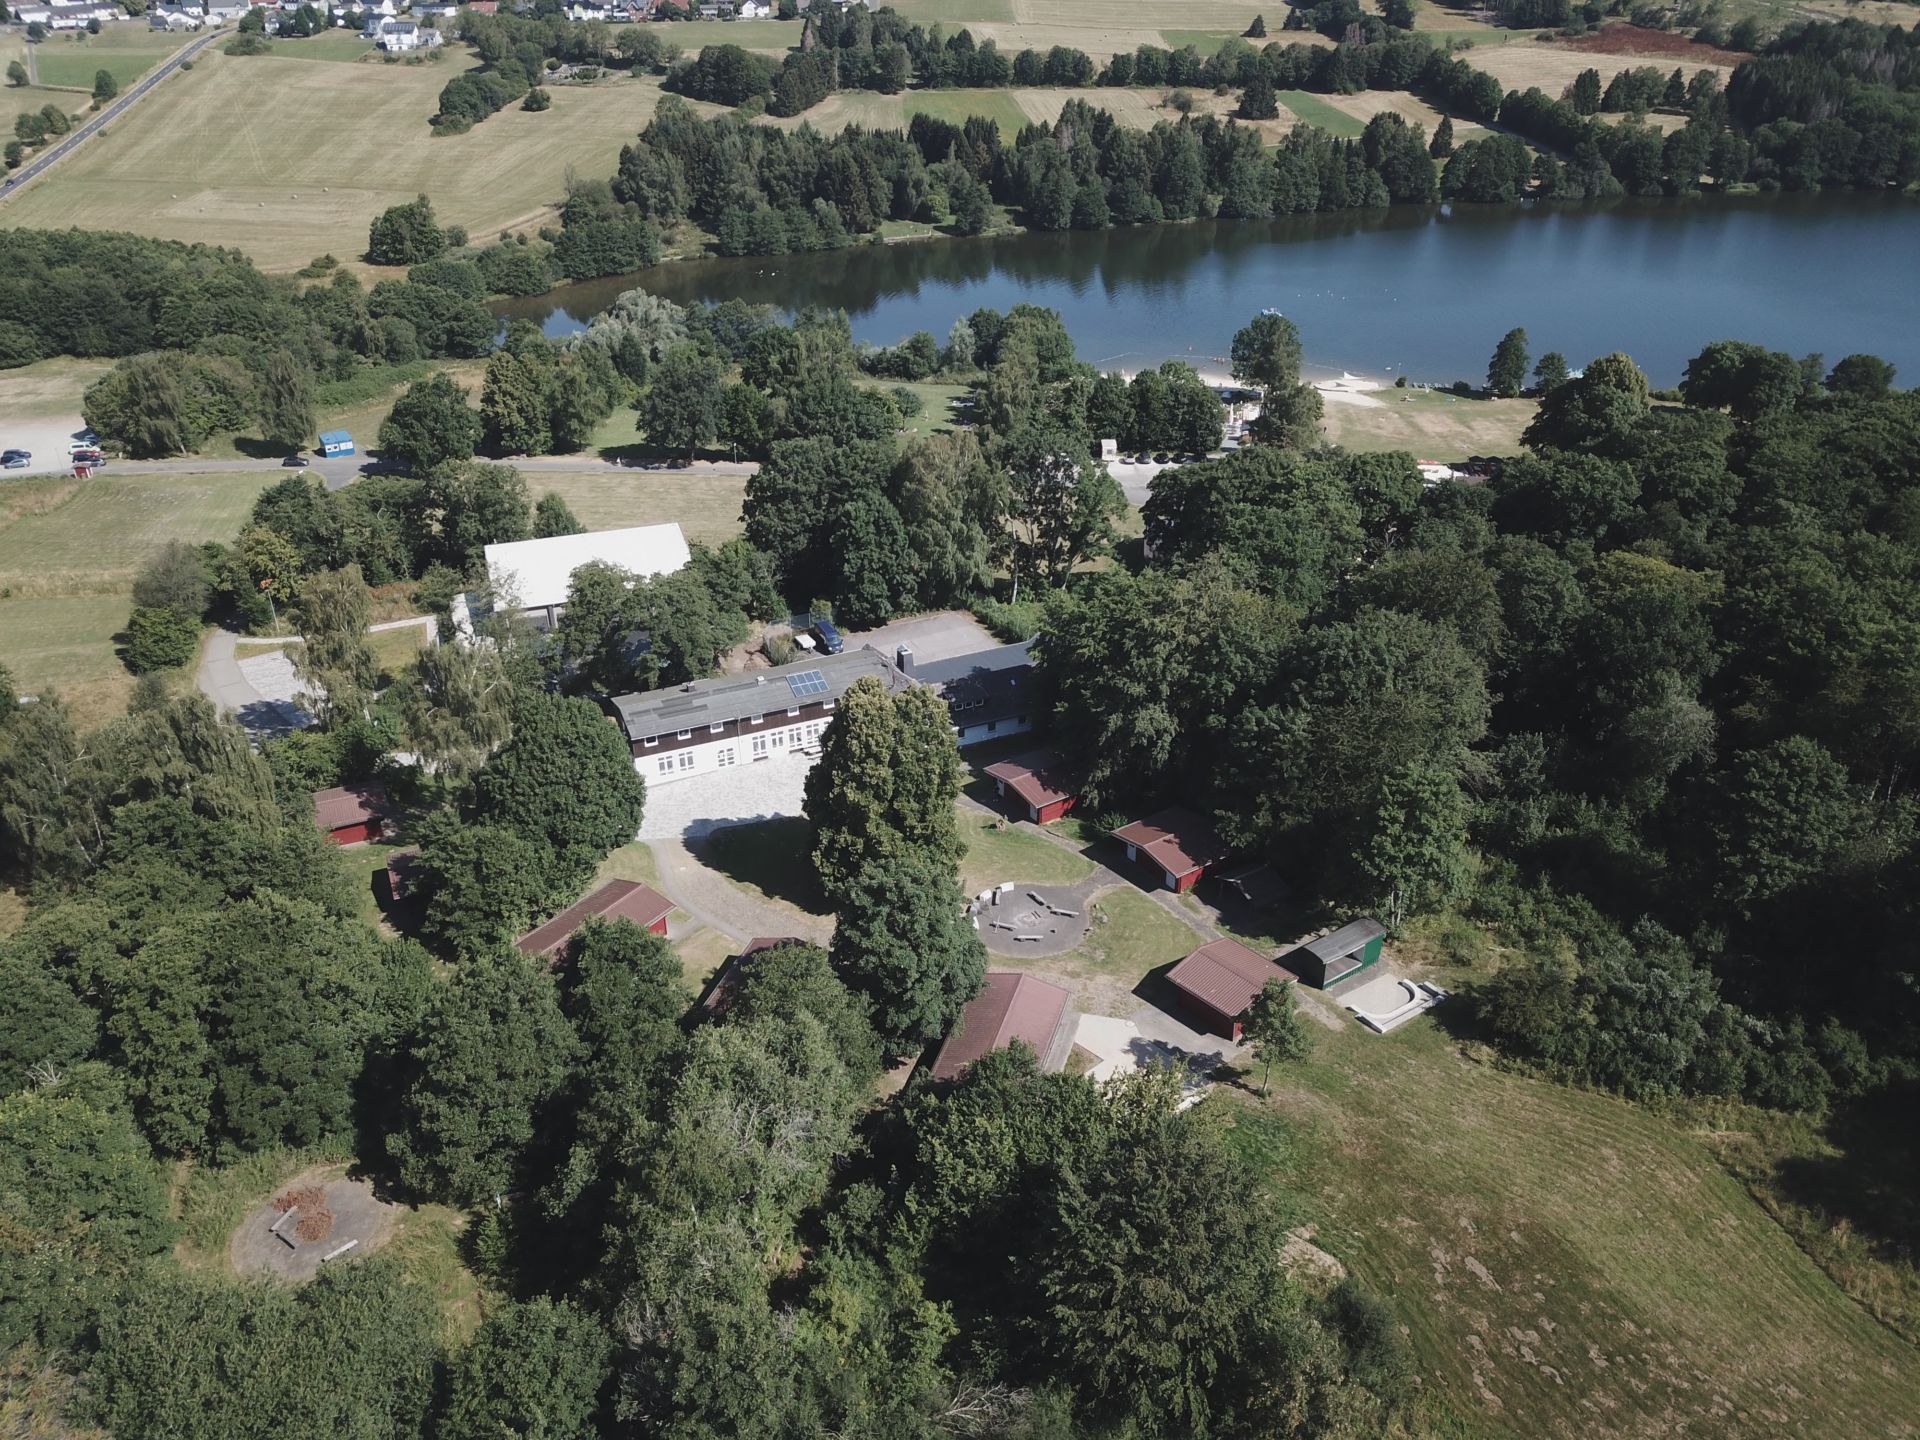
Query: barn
615, 900
1176, 845
352, 814
1009, 1007
1340, 955
1038, 786
1220, 981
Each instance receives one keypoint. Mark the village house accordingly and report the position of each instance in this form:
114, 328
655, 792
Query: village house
70, 17
537, 574
615, 900
398, 36
352, 814
1009, 1007
990, 694
1220, 981
762, 717
1175, 846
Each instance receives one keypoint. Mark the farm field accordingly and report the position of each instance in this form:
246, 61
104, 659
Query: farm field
1318, 110
1363, 107
287, 159
1429, 423
1565, 1264
345, 45
1553, 68
766, 36
128, 50
707, 506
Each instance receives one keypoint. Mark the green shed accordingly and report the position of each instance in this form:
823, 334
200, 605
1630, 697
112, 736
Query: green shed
1336, 957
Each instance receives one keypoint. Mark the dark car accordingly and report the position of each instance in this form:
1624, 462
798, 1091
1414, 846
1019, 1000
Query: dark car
295, 462
15, 460
829, 637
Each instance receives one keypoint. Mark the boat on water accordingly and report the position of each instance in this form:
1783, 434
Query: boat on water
1269, 310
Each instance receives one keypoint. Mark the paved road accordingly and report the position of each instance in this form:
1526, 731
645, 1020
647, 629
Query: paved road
98, 123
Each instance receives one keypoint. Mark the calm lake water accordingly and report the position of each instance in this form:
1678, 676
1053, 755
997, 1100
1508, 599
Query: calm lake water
1426, 293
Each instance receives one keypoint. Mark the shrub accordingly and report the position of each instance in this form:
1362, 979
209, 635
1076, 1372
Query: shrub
160, 638
1011, 623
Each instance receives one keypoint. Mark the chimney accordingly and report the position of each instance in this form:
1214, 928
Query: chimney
903, 657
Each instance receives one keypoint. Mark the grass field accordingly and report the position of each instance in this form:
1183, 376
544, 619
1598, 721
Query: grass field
285, 159
47, 390
1132, 935
1363, 107
1318, 110
1519, 64
765, 36
707, 506
68, 554
126, 50
1565, 1264
334, 45
1015, 853
1430, 424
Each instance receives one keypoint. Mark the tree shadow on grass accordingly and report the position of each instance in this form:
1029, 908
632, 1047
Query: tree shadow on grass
772, 856
1871, 1184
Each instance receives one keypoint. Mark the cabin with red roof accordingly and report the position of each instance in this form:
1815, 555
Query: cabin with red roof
352, 814
1220, 981
1176, 845
1037, 784
615, 900
1009, 1007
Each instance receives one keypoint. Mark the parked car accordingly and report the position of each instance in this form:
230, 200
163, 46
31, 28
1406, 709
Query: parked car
15, 460
829, 637
295, 462
88, 457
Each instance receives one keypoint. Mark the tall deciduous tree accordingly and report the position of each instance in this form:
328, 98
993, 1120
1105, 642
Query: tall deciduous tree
492, 1051
681, 409
1414, 849
534, 1369
565, 779
460, 708
430, 424
904, 941
336, 659
1062, 506
553, 516
284, 402
885, 785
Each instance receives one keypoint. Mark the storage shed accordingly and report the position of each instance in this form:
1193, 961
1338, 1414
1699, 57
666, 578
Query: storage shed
352, 814
1038, 786
1221, 979
1336, 957
1177, 844
335, 443
1010, 1007
615, 900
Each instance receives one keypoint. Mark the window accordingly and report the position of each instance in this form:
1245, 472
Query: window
685, 735
759, 747
826, 704
795, 736
650, 742
717, 727
686, 759
758, 718
666, 764
793, 712
779, 739
723, 757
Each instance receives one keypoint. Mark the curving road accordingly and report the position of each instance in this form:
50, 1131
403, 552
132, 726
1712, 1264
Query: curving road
94, 124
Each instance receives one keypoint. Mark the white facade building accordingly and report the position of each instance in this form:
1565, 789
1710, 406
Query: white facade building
536, 574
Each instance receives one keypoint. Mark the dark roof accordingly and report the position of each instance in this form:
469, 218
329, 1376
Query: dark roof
1037, 780
1178, 840
1225, 975
1347, 939
346, 805
728, 698
615, 900
1010, 1007
726, 985
401, 865
1004, 657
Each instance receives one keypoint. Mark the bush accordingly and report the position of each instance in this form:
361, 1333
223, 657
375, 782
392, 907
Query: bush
248, 44
1011, 623
537, 99
160, 638
909, 401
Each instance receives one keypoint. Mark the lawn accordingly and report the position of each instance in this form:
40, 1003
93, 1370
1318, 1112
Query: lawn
127, 51
769, 858
936, 411
1133, 934
706, 506
1315, 110
1565, 1264
766, 36
998, 851
285, 159
47, 390
1430, 423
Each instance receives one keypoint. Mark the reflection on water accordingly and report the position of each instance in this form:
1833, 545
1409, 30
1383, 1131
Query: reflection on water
1417, 291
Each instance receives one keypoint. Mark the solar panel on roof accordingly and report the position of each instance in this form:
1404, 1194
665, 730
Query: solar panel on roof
807, 682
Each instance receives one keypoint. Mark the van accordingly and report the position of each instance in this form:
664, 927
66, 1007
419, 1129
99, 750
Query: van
828, 636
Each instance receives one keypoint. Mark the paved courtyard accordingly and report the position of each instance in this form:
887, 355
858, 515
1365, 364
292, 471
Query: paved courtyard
764, 790
1147, 1037
930, 637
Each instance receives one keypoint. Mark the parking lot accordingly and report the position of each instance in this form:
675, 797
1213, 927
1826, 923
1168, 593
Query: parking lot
940, 636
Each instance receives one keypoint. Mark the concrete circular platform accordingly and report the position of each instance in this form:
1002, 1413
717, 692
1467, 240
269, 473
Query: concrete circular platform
1018, 919
358, 1216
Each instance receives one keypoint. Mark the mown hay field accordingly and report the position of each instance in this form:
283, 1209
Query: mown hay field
1565, 1264
127, 50
288, 159
707, 506
1522, 64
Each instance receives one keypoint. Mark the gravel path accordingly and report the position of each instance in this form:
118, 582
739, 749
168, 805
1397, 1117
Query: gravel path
717, 902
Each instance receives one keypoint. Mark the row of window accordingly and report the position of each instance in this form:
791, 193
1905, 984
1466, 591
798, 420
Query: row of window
720, 727
764, 746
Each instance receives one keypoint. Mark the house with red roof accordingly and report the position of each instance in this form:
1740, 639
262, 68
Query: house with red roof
1037, 784
1009, 1007
1176, 845
1220, 981
615, 900
352, 814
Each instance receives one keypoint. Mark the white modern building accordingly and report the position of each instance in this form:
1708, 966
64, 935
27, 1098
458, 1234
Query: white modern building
536, 574
398, 36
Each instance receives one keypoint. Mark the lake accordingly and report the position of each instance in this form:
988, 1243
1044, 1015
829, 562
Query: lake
1414, 291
